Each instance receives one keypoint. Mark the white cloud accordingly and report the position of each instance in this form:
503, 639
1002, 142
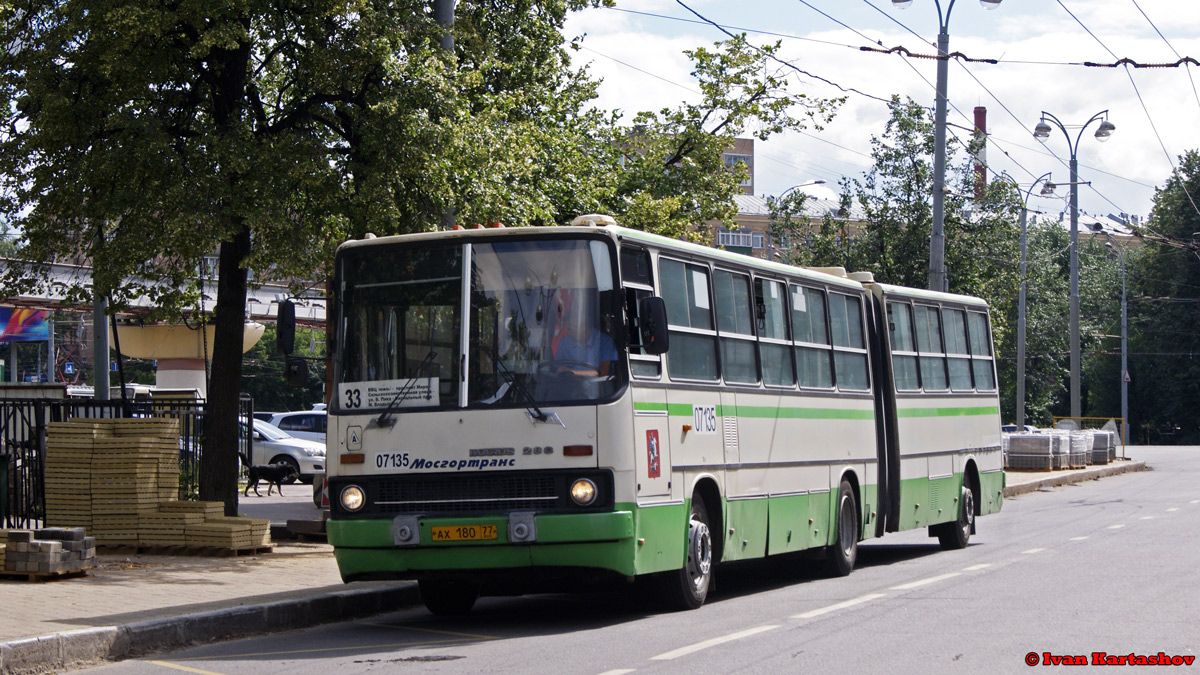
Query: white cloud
1019, 31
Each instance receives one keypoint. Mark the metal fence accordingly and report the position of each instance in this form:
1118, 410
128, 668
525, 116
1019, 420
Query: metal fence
23, 425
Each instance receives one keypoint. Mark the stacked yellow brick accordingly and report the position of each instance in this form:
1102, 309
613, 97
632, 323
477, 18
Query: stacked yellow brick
124, 487
69, 472
168, 524
3, 544
166, 528
219, 535
120, 480
105, 475
207, 527
159, 438
260, 528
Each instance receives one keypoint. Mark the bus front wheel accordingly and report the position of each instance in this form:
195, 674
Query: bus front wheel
840, 557
687, 587
448, 597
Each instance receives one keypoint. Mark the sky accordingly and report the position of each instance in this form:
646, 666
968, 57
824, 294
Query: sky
637, 50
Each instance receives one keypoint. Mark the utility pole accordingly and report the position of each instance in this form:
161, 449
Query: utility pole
443, 13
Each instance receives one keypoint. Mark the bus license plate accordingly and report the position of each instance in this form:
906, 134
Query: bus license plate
465, 533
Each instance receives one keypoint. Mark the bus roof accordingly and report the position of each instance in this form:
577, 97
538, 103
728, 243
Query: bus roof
889, 289
612, 231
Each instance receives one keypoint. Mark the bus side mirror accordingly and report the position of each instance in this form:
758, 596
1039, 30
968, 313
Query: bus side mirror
652, 315
285, 327
295, 369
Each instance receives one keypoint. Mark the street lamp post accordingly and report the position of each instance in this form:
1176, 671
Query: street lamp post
779, 200
785, 193
937, 235
1047, 190
1042, 132
1124, 342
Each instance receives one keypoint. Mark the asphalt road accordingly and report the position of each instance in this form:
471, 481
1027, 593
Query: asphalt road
1106, 566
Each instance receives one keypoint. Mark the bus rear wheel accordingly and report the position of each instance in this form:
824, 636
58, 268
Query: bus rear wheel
687, 587
448, 597
840, 558
953, 536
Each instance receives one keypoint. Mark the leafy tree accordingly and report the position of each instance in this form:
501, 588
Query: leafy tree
151, 134
672, 175
263, 375
1163, 278
894, 196
892, 241
1046, 339
144, 136
8, 240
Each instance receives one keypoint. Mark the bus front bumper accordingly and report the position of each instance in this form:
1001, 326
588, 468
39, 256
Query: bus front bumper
368, 548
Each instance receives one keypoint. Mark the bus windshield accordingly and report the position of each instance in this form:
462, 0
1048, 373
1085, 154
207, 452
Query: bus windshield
541, 326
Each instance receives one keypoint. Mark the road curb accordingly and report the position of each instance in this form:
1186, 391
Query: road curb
70, 649
1076, 477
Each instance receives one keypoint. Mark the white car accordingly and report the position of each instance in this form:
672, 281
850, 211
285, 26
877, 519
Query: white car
309, 424
273, 446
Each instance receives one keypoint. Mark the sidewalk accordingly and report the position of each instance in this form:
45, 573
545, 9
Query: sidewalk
135, 605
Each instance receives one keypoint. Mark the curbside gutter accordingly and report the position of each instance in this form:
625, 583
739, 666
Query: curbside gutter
1075, 477
70, 649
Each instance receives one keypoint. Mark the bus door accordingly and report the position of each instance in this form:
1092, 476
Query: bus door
652, 442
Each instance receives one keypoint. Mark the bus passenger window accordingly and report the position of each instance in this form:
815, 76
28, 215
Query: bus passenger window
904, 358
734, 321
811, 335
981, 351
850, 350
635, 266
957, 356
770, 300
693, 354
929, 344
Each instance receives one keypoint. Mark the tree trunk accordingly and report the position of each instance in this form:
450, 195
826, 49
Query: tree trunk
219, 461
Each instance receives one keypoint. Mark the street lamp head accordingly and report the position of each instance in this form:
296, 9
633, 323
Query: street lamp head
990, 4
1105, 131
1048, 189
1042, 131
902, 4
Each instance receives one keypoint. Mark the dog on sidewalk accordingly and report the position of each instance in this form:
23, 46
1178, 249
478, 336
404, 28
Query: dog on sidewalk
272, 474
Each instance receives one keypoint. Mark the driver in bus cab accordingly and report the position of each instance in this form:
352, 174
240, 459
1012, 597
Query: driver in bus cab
581, 346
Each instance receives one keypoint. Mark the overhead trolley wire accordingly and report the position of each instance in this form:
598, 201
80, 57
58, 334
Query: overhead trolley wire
1172, 48
1142, 101
1124, 61
787, 64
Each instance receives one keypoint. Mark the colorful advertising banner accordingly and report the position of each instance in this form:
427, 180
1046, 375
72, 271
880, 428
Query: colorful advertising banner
24, 325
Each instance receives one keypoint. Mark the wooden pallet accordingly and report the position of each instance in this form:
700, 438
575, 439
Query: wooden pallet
42, 576
196, 551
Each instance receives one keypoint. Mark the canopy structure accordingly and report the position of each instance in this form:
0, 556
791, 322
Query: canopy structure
180, 350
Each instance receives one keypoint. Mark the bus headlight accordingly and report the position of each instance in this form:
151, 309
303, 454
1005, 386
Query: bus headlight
583, 492
352, 498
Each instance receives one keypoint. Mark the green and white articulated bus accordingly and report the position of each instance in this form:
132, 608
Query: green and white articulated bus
517, 406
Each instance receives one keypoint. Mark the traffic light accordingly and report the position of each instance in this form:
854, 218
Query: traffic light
285, 327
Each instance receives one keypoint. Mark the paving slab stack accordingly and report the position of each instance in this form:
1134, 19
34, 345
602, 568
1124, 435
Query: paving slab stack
1104, 447
1031, 451
48, 551
1080, 453
119, 480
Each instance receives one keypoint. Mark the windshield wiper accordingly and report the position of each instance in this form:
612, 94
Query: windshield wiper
510, 377
401, 395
